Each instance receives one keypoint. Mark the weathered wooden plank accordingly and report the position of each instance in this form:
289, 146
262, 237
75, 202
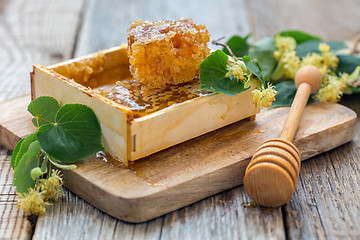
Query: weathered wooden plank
30, 32
105, 25
326, 200
33, 32
13, 225
219, 217
331, 20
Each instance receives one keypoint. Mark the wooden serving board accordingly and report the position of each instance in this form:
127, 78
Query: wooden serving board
190, 171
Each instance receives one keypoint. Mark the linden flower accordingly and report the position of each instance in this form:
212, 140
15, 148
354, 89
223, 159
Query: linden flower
291, 63
333, 90
323, 47
32, 202
325, 62
238, 70
288, 62
263, 98
283, 44
315, 60
51, 187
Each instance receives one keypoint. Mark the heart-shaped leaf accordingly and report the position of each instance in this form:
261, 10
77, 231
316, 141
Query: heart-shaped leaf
44, 110
212, 75
74, 135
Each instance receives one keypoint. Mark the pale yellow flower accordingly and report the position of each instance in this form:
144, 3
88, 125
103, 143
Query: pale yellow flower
288, 62
323, 47
326, 62
285, 43
51, 187
32, 202
263, 98
333, 90
291, 64
238, 70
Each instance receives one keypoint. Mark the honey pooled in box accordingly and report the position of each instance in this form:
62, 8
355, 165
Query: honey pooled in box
146, 95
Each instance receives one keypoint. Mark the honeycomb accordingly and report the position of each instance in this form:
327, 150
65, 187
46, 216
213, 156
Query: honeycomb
166, 52
81, 71
142, 100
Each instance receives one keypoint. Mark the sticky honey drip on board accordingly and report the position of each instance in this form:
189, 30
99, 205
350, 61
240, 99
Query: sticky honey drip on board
166, 52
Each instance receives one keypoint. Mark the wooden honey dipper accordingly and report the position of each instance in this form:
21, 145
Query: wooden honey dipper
272, 173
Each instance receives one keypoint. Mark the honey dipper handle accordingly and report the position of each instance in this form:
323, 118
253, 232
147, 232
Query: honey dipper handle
271, 176
307, 80
292, 122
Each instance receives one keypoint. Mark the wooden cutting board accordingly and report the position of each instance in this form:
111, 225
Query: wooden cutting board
190, 171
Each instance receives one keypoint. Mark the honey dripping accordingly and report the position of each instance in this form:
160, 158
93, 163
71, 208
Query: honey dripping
137, 167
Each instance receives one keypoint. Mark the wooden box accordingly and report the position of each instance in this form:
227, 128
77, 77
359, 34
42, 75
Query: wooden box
124, 136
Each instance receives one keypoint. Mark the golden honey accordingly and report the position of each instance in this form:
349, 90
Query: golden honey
142, 101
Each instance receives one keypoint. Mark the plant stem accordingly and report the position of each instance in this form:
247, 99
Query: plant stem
216, 42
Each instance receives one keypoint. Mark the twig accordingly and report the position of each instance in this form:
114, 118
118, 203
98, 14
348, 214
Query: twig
216, 42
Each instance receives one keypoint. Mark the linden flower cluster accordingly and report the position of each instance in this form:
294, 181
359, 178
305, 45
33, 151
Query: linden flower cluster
332, 87
238, 70
333, 90
327, 62
264, 97
32, 202
51, 187
35, 200
288, 62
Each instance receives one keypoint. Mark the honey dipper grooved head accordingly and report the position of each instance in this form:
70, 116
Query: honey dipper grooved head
271, 175
309, 74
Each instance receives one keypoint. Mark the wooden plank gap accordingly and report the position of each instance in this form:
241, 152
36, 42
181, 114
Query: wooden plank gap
79, 26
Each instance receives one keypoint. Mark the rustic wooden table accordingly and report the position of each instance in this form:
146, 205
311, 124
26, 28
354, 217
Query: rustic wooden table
326, 200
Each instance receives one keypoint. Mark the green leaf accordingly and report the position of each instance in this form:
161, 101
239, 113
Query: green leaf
212, 75
44, 110
253, 67
21, 149
348, 63
76, 134
263, 52
30, 160
313, 46
62, 166
299, 36
238, 46
286, 93
15, 153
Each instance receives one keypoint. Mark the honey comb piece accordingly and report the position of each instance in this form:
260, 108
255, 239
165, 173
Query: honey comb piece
166, 52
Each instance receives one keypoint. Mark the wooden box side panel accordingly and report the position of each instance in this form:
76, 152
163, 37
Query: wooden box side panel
113, 57
181, 122
113, 121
